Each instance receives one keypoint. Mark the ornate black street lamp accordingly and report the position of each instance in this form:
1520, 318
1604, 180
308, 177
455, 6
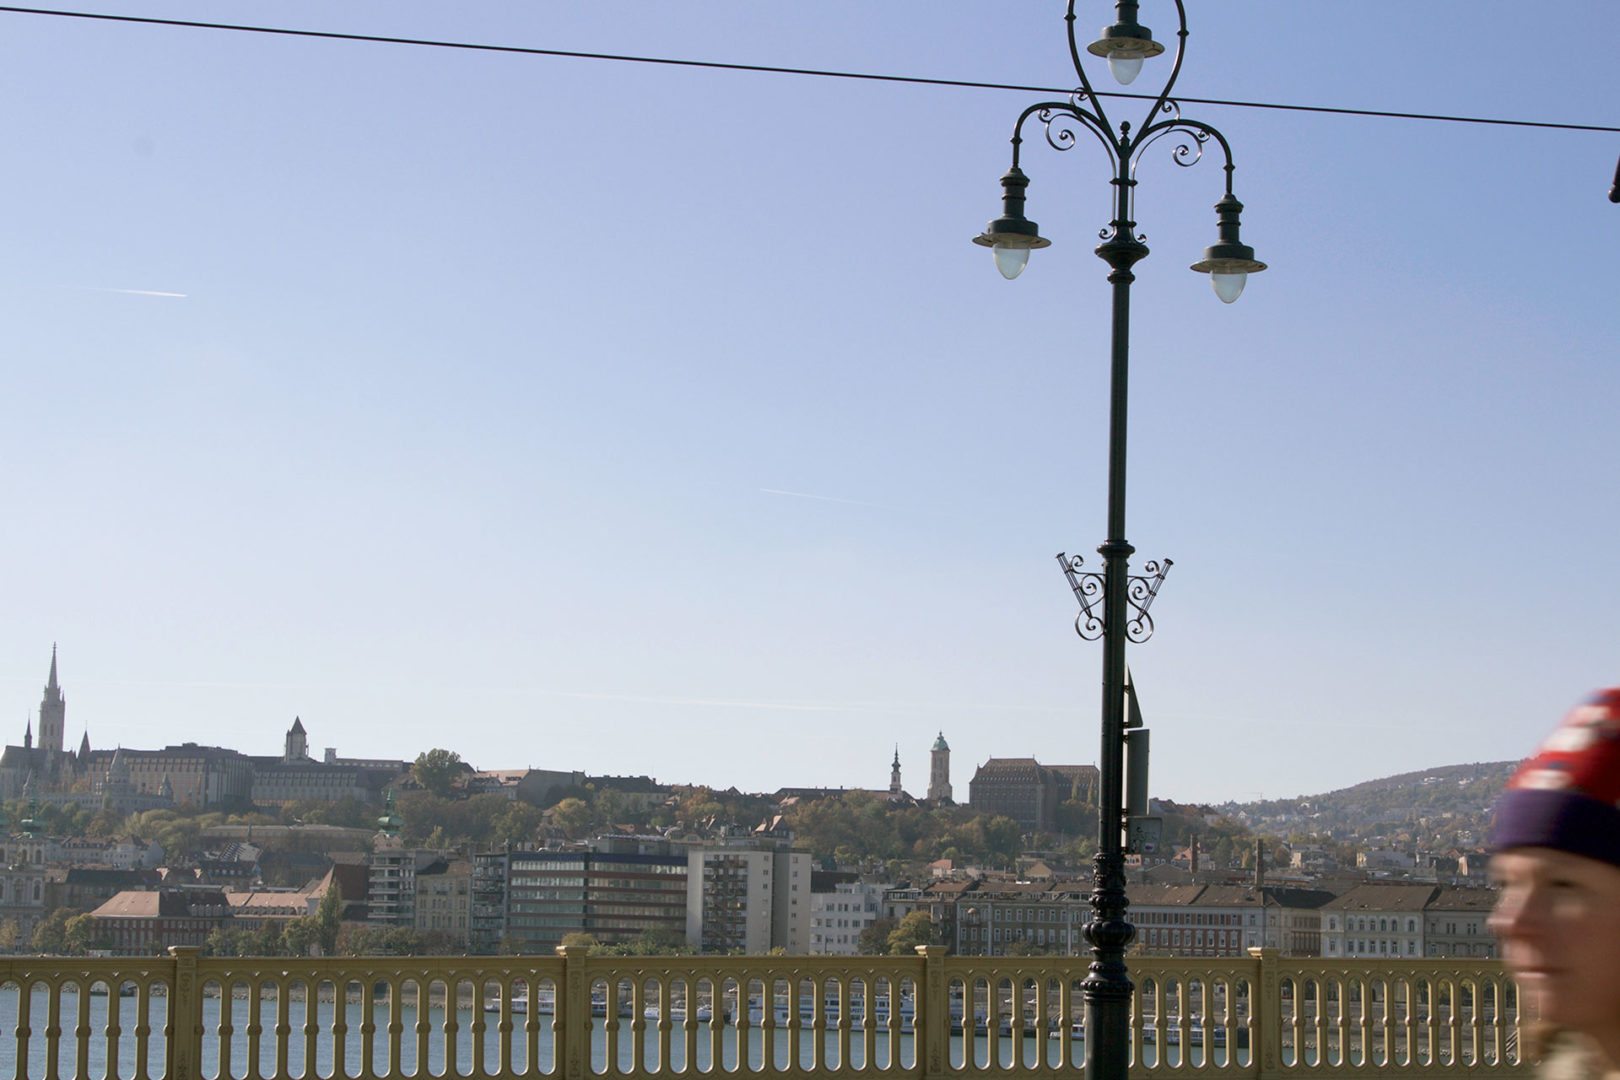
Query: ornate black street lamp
1114, 603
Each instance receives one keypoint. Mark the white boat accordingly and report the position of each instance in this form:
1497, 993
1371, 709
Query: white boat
520, 1003
545, 1003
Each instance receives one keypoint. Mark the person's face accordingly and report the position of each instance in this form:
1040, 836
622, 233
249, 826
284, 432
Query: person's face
1558, 919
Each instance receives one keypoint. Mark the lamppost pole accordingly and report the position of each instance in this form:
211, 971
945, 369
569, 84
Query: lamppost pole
1114, 604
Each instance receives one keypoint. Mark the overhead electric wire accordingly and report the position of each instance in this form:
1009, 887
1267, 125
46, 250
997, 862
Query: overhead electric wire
383, 39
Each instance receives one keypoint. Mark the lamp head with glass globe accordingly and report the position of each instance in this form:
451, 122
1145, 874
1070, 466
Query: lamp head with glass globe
1012, 236
1230, 261
1125, 44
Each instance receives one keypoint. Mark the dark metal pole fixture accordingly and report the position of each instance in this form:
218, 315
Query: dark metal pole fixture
1114, 603
1614, 189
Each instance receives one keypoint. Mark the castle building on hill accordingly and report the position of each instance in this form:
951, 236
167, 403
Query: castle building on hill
1028, 792
48, 767
128, 780
296, 777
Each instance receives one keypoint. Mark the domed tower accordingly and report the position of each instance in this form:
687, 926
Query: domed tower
894, 772
939, 771
388, 825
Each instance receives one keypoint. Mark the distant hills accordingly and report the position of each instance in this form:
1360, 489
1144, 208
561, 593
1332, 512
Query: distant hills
1448, 805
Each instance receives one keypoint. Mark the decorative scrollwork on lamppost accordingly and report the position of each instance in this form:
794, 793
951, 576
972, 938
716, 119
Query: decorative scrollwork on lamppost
1114, 603
1089, 586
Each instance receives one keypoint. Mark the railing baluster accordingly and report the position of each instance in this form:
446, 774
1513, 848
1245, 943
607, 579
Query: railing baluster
81, 1031
254, 1027
53, 1030
1227, 1021
283, 1029
115, 1025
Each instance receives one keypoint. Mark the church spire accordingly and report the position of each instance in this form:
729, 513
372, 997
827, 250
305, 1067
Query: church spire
28, 733
52, 712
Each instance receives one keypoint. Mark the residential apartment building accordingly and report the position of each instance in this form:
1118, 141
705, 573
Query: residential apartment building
747, 900
1169, 924
140, 923
84, 888
1454, 923
123, 853
1385, 858
391, 879
443, 901
1000, 916
251, 909
1292, 919
1377, 921
1008, 918
840, 913
1227, 920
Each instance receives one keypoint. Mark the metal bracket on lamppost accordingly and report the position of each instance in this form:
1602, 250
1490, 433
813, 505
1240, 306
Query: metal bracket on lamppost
1089, 588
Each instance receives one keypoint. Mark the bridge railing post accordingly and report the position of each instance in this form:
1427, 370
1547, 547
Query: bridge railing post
185, 1015
933, 1017
1267, 1018
573, 1021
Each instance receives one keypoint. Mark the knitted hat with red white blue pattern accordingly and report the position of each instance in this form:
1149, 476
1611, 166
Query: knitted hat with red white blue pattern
1567, 796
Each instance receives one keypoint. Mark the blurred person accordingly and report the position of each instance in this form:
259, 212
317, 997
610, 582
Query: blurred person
1555, 842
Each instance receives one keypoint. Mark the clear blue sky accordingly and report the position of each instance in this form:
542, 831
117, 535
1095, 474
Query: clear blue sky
635, 419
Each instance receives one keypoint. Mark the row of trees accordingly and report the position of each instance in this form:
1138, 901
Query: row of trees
859, 827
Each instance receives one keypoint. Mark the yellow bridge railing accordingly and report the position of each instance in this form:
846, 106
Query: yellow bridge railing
574, 1016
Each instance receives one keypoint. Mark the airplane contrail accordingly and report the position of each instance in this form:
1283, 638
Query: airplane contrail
161, 293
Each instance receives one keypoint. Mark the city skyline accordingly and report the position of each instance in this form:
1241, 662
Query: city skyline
897, 769
666, 419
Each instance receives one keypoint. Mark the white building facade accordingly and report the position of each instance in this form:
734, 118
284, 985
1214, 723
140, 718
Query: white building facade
838, 918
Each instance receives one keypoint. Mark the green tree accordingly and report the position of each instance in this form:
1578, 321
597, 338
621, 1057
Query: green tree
105, 823
573, 816
81, 933
517, 823
223, 941
874, 939
917, 928
50, 933
301, 936
10, 934
266, 940
1002, 839
579, 940
328, 919
436, 770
